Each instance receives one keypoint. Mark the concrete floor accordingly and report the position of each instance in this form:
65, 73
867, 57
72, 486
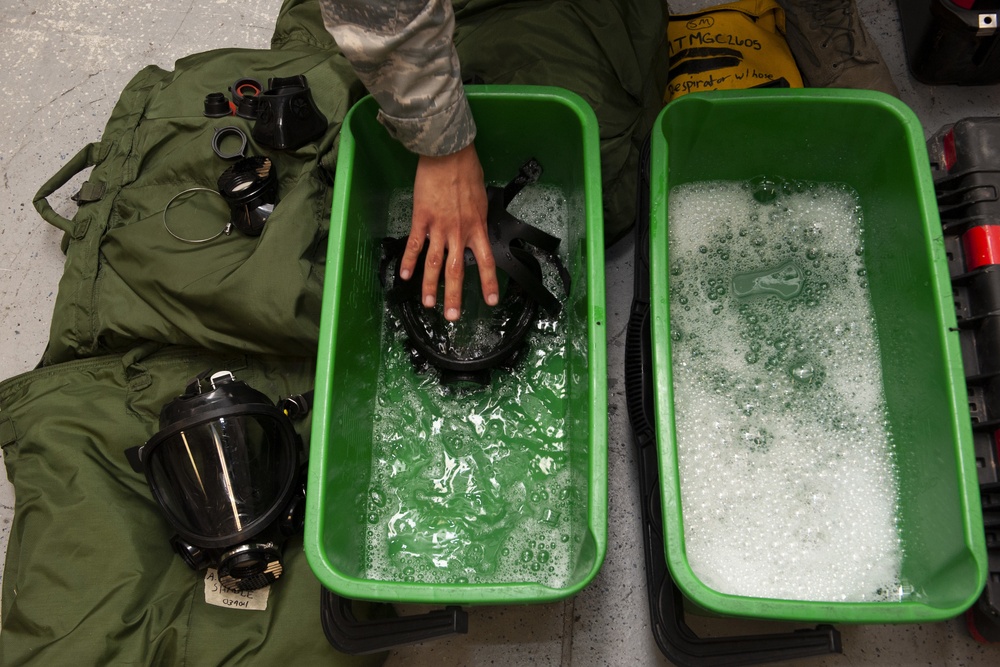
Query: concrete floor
63, 65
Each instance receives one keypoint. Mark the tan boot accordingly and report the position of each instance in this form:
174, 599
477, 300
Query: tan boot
832, 47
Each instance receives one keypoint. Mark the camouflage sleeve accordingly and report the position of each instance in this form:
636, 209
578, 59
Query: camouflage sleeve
403, 51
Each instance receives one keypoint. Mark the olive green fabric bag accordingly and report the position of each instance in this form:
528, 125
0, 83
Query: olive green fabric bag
127, 279
90, 577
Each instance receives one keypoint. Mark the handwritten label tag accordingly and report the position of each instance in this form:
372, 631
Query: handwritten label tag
220, 596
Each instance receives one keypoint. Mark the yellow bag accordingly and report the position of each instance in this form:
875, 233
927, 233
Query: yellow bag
735, 45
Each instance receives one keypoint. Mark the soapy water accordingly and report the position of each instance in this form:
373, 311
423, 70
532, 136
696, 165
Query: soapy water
786, 462
473, 485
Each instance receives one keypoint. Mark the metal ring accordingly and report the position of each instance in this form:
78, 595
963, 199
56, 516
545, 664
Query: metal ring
225, 228
223, 132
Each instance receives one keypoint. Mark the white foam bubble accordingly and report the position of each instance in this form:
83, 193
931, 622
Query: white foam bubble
787, 479
470, 487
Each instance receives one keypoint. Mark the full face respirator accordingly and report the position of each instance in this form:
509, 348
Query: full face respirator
466, 352
225, 470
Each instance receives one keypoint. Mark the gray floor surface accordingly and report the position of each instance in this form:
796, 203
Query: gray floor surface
63, 66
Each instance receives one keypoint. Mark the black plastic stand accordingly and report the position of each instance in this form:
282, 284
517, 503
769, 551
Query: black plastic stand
348, 634
676, 640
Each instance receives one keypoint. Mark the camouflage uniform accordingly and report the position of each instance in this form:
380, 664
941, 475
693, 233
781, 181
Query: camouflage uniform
403, 51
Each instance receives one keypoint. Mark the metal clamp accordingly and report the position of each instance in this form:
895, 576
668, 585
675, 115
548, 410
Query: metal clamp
228, 228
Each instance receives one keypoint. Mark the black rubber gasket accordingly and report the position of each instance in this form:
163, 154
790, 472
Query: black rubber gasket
223, 132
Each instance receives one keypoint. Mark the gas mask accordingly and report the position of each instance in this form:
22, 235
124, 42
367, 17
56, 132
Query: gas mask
467, 351
225, 470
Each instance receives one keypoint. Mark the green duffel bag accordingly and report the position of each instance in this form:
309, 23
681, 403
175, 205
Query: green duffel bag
128, 278
90, 576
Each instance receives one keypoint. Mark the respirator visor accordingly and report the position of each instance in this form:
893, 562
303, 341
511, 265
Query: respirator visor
224, 475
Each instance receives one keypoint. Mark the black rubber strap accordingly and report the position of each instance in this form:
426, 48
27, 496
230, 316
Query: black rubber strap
507, 236
530, 172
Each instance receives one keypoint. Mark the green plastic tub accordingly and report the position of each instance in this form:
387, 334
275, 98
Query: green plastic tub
515, 123
874, 144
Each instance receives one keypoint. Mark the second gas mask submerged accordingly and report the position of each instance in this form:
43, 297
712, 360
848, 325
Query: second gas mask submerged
225, 470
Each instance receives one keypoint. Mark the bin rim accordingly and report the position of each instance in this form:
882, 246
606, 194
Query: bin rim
319, 458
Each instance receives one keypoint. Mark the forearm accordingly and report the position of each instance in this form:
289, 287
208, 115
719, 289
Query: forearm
403, 52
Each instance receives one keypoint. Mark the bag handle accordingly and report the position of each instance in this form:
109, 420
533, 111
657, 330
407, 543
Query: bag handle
86, 157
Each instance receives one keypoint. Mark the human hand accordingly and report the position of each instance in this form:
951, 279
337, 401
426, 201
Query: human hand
449, 209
